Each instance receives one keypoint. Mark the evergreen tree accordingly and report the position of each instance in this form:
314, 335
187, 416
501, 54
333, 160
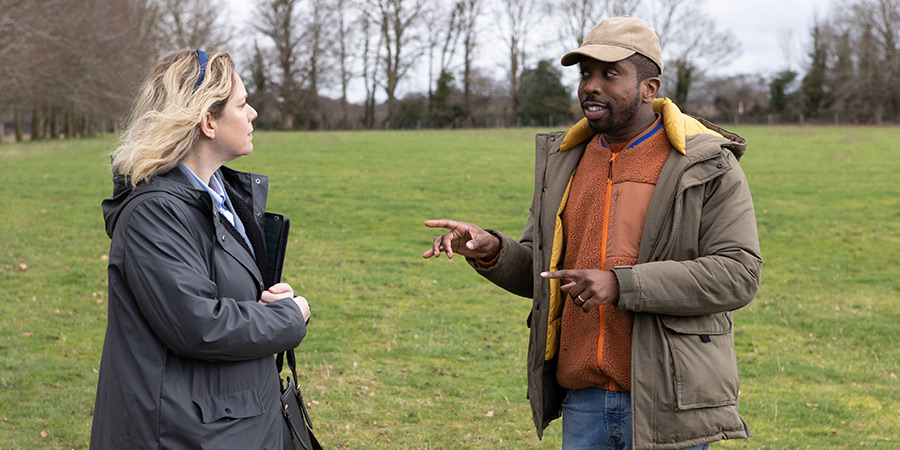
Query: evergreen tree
812, 87
545, 101
779, 95
442, 112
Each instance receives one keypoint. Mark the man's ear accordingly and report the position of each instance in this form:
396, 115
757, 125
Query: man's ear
649, 89
208, 126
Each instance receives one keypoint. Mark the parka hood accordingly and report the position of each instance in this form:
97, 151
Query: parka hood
679, 127
172, 182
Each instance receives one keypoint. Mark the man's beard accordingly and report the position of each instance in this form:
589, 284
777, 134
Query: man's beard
615, 119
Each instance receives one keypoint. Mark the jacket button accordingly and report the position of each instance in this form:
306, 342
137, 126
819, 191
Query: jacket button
552, 138
540, 247
719, 165
227, 410
257, 181
544, 189
223, 238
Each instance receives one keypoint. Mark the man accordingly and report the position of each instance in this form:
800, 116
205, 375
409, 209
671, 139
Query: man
640, 241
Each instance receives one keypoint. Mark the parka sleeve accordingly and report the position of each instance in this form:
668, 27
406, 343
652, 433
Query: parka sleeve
713, 268
513, 270
168, 275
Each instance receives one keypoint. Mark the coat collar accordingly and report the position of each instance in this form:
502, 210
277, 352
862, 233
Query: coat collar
678, 127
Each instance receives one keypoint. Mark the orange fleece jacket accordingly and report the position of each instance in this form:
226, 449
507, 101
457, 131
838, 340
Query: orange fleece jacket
595, 347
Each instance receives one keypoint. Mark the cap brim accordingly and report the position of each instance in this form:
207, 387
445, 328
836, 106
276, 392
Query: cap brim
600, 52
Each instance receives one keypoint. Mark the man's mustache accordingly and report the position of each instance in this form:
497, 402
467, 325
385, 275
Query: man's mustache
594, 99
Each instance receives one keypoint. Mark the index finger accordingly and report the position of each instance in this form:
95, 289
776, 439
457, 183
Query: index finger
441, 223
565, 273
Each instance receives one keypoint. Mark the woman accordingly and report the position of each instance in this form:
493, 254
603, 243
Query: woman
187, 360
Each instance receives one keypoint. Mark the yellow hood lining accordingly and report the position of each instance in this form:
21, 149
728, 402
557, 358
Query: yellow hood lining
678, 127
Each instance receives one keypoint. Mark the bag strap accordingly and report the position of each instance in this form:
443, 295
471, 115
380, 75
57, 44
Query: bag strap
292, 363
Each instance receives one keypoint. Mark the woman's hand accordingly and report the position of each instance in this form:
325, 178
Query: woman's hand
303, 304
284, 290
276, 292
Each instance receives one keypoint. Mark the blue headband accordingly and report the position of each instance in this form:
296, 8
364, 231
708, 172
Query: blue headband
202, 58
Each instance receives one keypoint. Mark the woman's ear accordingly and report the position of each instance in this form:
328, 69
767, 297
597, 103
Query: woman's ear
208, 126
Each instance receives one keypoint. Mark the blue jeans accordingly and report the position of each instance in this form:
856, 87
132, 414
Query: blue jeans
597, 419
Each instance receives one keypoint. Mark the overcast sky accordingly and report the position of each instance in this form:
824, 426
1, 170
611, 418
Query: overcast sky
761, 26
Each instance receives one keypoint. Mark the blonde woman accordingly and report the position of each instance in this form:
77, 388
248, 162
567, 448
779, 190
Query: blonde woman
187, 360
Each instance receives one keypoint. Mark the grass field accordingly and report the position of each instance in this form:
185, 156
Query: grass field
408, 353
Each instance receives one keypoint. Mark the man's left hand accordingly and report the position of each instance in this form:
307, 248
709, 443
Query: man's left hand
588, 288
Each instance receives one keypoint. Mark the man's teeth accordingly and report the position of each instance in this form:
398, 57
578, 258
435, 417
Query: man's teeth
593, 108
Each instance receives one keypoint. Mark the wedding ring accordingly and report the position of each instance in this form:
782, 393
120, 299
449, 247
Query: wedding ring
580, 299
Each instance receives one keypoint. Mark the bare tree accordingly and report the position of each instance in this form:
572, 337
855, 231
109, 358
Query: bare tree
519, 17
880, 20
396, 19
577, 17
694, 49
75, 67
786, 44
345, 39
370, 66
446, 36
470, 10
277, 19
315, 38
691, 42
194, 24
10, 74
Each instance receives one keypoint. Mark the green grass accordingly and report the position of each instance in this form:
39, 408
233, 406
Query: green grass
408, 353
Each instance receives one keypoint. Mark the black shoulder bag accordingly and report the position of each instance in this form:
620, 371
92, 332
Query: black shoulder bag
298, 429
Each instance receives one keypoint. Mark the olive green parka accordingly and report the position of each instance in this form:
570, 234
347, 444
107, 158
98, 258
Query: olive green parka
699, 260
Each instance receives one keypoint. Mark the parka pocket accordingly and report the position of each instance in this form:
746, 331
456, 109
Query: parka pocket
234, 405
703, 360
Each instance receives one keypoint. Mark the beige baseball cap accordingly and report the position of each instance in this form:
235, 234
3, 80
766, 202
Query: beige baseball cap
615, 39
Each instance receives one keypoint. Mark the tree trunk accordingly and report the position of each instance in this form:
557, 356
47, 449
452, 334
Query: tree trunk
37, 123
17, 124
54, 129
68, 132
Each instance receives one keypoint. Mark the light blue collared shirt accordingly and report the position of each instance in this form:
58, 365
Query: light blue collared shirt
220, 199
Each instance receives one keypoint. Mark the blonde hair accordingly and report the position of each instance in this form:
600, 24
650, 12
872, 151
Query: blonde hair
165, 121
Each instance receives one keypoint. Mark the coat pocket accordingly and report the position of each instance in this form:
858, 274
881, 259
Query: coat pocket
703, 360
234, 405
